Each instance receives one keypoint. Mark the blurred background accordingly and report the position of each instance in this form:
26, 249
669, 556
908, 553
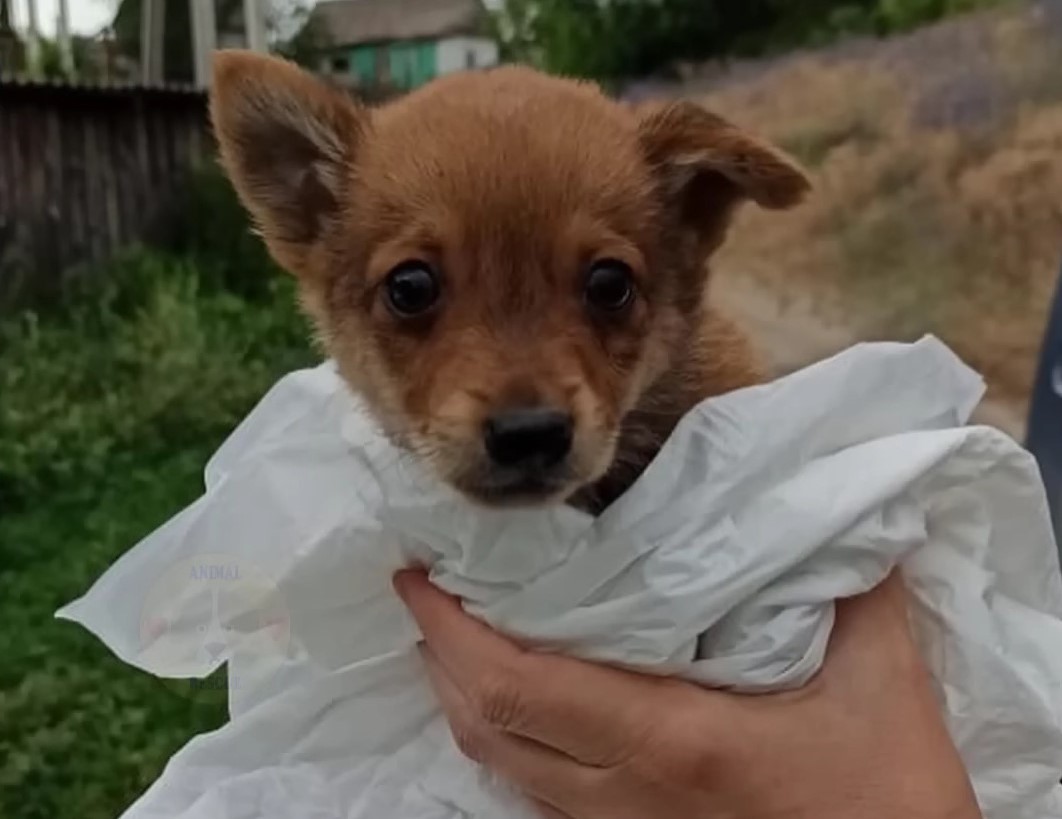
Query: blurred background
140, 319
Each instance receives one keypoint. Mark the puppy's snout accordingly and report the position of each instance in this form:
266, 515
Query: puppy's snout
528, 437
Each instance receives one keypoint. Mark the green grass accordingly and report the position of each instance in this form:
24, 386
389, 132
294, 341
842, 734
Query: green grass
109, 407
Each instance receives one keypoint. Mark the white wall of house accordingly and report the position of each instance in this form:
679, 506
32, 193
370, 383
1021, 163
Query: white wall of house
462, 53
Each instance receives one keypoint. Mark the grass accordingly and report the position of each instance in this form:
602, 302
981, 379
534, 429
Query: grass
109, 408
938, 186
81, 734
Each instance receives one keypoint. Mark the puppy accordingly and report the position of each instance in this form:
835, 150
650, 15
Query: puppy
510, 268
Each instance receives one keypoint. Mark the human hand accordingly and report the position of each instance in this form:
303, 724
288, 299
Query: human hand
863, 740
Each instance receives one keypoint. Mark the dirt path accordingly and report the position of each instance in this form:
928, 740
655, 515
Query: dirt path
791, 335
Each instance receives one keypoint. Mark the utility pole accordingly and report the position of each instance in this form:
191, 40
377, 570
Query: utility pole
254, 25
33, 40
62, 38
10, 45
204, 39
152, 31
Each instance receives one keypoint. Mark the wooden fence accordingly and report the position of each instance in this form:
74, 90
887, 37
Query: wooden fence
84, 171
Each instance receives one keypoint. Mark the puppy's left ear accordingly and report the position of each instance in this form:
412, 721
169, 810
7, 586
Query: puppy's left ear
706, 167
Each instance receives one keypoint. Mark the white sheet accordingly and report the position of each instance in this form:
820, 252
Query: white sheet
720, 564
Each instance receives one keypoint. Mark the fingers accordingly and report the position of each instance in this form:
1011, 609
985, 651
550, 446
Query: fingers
593, 714
556, 782
872, 635
889, 595
883, 608
548, 811
457, 640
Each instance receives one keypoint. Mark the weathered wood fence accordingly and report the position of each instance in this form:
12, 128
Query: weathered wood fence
86, 170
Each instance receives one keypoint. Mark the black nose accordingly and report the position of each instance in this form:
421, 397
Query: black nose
528, 437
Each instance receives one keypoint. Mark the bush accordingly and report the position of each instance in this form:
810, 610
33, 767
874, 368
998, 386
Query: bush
160, 359
82, 734
207, 223
622, 39
111, 400
109, 407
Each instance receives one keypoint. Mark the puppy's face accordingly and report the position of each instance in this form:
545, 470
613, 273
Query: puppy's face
502, 264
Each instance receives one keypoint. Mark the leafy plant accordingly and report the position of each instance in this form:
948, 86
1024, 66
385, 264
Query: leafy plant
109, 406
630, 38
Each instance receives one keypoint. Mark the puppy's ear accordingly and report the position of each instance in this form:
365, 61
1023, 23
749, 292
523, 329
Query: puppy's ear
706, 166
287, 143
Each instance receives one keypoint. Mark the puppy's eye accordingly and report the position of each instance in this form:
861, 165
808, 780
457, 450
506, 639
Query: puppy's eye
609, 285
412, 288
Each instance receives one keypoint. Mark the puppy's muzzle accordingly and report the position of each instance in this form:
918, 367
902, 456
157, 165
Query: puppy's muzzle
529, 440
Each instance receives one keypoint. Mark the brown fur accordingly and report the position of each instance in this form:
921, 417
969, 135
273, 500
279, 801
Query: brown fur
511, 183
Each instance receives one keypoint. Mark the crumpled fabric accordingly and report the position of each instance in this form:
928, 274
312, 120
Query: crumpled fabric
721, 564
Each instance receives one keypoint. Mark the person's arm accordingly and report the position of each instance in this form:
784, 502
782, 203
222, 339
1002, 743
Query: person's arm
864, 740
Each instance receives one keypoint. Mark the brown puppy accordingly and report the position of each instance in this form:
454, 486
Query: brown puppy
509, 267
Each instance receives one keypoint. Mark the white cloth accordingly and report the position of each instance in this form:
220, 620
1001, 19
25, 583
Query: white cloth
720, 564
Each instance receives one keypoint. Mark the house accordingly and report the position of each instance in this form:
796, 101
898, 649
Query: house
401, 44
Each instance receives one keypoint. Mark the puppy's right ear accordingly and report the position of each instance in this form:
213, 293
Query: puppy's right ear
287, 143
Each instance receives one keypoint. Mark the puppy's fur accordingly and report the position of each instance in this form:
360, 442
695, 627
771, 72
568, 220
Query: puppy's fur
510, 184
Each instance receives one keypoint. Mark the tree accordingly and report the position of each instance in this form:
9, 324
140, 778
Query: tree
284, 24
614, 39
296, 33
622, 38
177, 56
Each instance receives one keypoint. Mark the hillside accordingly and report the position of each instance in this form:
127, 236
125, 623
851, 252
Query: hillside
938, 202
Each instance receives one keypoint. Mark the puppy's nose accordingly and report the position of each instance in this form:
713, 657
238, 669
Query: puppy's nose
531, 436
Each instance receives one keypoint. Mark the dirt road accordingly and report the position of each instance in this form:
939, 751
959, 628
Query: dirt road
792, 335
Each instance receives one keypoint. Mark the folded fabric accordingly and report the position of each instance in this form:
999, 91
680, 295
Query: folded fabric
721, 564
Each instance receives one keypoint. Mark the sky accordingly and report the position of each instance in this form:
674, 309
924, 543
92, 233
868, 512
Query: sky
86, 16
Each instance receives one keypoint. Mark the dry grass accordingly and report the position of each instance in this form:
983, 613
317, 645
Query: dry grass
938, 167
